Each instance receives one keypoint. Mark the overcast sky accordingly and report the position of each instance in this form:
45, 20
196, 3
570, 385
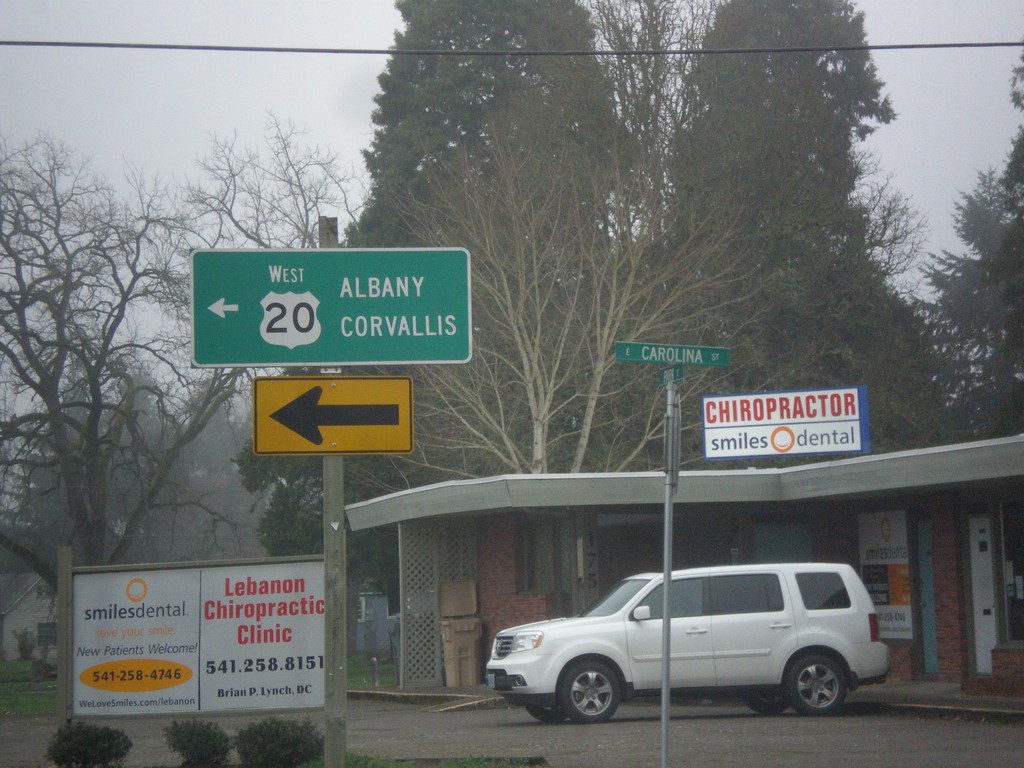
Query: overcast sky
157, 109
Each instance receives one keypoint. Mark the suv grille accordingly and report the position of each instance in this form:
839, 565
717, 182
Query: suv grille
502, 646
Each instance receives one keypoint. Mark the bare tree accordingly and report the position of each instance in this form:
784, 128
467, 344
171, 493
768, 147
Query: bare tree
99, 401
651, 90
569, 256
269, 198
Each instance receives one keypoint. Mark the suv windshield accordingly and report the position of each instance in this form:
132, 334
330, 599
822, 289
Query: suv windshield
617, 597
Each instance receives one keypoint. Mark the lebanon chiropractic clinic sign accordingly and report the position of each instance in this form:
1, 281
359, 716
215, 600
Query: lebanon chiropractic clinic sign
813, 421
198, 639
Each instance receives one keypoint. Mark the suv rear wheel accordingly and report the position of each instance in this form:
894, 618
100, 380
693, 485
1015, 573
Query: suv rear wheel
589, 692
815, 685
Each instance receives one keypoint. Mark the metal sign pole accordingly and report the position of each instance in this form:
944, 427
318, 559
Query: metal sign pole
672, 448
335, 587
673, 358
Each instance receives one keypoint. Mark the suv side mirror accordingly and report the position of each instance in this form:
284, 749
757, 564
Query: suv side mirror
642, 613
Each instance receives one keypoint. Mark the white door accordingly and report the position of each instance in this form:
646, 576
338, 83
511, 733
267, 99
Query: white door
752, 628
983, 596
693, 665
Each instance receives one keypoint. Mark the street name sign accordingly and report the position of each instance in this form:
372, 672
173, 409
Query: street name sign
668, 376
330, 307
332, 415
671, 354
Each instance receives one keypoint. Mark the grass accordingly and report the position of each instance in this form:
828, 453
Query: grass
19, 695
360, 673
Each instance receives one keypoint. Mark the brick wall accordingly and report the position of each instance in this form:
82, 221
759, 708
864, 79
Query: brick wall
1008, 662
836, 539
1007, 677
901, 663
950, 608
499, 602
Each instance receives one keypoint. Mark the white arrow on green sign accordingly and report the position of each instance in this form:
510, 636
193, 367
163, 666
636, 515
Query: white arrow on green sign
330, 307
671, 354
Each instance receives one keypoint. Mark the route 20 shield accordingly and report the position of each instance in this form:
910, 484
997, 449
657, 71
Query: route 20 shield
289, 319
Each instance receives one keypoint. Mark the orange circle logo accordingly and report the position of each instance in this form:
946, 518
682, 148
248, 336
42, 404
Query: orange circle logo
783, 439
136, 590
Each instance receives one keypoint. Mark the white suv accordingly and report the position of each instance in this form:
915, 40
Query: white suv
795, 635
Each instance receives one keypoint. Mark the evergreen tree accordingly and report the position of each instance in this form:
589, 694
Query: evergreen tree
773, 138
432, 108
967, 316
1006, 269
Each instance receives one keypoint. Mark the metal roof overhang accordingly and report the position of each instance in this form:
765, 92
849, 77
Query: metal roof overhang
906, 471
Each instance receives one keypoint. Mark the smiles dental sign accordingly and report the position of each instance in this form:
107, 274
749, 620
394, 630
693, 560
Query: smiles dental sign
806, 422
203, 639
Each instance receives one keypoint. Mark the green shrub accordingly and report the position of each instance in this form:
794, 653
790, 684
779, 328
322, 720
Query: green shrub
200, 743
274, 743
80, 745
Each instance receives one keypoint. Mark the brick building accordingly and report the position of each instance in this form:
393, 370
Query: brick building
937, 535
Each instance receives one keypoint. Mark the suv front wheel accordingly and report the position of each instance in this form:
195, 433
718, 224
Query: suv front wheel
815, 685
589, 692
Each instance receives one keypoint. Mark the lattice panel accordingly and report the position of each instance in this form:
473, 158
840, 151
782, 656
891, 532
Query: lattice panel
429, 553
457, 557
421, 632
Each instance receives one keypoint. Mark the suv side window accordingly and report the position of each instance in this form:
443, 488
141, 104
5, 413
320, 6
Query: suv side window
746, 593
687, 599
822, 591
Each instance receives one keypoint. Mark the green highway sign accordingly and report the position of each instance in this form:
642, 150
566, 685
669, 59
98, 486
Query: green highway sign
671, 354
328, 307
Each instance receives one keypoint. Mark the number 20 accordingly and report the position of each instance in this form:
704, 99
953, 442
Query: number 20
303, 317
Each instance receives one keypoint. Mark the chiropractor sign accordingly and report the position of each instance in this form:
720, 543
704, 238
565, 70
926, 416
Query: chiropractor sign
805, 422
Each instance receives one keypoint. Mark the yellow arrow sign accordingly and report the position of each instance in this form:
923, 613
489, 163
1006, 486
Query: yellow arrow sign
332, 414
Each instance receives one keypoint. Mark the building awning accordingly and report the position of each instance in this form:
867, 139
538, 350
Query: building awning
921, 470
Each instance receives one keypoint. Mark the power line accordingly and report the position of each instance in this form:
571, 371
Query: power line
499, 52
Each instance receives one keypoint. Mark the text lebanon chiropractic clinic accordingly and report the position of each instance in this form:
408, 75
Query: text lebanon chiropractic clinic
283, 599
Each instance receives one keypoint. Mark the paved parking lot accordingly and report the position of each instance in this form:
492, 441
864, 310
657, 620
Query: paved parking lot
720, 735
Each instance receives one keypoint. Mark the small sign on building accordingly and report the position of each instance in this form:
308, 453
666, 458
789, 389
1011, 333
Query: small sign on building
804, 422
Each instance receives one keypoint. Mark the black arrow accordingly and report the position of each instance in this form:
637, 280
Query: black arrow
305, 416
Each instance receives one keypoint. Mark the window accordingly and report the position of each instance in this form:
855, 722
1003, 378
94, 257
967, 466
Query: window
746, 593
687, 599
536, 554
1013, 567
822, 591
46, 634
616, 598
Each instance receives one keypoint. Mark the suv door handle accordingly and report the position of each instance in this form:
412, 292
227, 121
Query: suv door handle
696, 631
779, 625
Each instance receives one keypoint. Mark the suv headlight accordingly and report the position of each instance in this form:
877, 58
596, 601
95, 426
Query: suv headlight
527, 641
